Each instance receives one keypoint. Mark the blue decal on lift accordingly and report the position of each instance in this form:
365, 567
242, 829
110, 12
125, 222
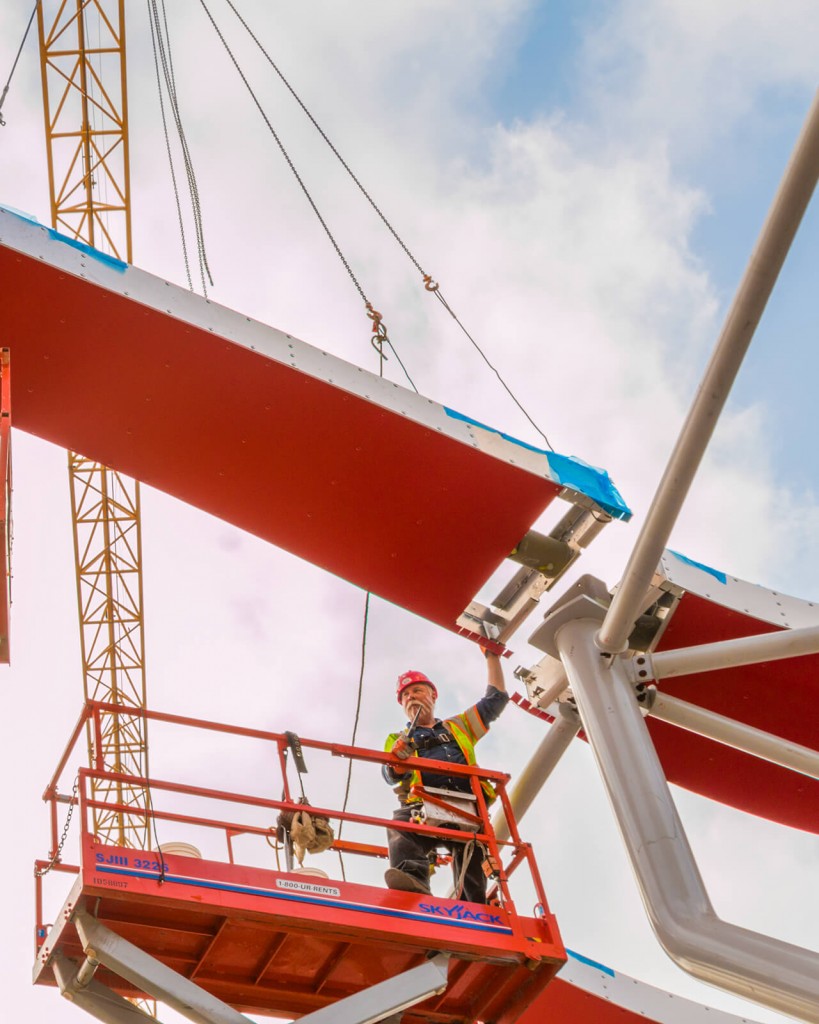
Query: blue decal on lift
294, 897
720, 577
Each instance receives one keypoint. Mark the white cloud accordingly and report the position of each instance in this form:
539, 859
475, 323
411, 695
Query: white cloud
694, 71
564, 245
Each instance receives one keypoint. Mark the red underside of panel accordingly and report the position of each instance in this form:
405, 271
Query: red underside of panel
564, 1003
779, 697
360, 491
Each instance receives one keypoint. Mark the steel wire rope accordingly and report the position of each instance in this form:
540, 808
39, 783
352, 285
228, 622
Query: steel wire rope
494, 369
381, 358
185, 257
379, 330
14, 65
284, 153
193, 185
428, 282
163, 47
355, 723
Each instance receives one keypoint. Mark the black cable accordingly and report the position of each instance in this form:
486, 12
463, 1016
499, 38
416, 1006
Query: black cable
355, 723
185, 258
285, 154
14, 65
324, 136
166, 61
483, 356
406, 374
387, 224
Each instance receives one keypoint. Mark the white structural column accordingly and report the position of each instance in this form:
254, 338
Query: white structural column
736, 734
541, 765
745, 650
766, 261
94, 998
388, 998
149, 975
776, 974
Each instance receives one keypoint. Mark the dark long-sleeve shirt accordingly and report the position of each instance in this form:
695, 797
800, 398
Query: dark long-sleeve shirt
437, 743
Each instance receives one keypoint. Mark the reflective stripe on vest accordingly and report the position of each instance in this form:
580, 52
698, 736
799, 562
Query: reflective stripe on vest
463, 729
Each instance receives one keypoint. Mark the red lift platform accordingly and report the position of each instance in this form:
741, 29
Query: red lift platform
238, 937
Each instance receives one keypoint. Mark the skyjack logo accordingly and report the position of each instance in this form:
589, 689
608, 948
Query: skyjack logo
460, 913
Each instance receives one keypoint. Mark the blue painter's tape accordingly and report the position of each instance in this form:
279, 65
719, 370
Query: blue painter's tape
109, 261
720, 577
568, 471
591, 963
102, 257
593, 482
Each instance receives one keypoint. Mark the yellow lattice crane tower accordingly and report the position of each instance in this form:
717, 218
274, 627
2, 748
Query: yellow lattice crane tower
82, 56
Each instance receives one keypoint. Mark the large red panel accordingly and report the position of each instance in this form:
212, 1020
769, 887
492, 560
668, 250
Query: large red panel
780, 697
361, 491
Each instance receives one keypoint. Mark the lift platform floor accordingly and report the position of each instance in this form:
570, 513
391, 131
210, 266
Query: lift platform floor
281, 943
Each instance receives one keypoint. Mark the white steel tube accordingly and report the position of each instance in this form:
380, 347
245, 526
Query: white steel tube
766, 261
777, 974
541, 765
746, 650
736, 734
150, 975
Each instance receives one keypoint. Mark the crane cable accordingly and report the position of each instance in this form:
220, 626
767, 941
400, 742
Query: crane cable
161, 41
14, 65
429, 284
379, 330
360, 691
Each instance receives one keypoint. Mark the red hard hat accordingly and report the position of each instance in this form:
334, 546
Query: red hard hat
408, 678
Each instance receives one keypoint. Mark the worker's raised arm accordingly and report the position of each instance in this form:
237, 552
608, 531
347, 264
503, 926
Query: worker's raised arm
494, 670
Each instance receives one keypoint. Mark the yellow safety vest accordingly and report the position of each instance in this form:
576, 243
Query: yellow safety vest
466, 730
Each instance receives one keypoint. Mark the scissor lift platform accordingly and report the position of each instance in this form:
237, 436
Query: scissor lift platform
283, 942
288, 943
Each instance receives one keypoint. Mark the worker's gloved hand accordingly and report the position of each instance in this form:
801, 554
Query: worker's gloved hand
403, 747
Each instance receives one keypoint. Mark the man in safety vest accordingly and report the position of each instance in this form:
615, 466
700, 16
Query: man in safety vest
453, 740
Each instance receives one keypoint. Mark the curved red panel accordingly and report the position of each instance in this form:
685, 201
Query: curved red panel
780, 697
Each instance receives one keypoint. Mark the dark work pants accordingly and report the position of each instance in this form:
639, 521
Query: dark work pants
409, 851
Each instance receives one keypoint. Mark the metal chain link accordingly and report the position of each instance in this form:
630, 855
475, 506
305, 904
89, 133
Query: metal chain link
44, 871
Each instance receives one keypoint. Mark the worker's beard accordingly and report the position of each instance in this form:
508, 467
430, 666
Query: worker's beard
418, 707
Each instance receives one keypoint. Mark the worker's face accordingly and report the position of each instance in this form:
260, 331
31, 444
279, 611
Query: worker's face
416, 696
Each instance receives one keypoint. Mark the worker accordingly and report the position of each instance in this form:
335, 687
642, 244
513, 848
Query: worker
453, 740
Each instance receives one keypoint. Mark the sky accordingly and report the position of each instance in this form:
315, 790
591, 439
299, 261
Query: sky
586, 181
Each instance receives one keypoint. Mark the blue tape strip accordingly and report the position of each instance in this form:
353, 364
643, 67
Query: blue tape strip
568, 471
720, 577
102, 257
593, 482
591, 963
294, 897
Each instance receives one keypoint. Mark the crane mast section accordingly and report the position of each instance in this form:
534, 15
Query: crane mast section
86, 122
82, 61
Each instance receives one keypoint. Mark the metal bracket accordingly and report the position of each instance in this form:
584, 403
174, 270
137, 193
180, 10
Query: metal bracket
101, 945
544, 559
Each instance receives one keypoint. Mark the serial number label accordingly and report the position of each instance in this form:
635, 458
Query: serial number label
121, 860
111, 883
